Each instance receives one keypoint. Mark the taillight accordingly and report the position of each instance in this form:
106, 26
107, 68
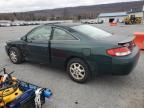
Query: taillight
122, 51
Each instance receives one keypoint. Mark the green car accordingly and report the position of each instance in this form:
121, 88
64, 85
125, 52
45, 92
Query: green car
83, 50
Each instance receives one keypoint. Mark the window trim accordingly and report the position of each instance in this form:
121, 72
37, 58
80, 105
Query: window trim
53, 29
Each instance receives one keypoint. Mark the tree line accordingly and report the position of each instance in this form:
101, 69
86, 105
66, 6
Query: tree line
22, 16
32, 17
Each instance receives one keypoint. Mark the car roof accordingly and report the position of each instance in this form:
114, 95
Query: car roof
65, 25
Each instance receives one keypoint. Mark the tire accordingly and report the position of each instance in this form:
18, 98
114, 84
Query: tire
15, 55
78, 70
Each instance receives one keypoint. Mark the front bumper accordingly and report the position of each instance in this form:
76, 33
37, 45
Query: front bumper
6, 49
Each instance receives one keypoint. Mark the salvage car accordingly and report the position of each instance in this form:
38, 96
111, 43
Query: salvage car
83, 50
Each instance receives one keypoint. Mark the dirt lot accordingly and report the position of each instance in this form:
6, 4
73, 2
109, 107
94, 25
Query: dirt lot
102, 92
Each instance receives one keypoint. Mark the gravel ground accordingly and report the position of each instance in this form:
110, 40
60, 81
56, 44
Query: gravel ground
102, 92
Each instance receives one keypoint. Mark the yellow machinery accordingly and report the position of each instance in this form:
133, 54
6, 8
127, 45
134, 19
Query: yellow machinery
133, 20
8, 95
9, 89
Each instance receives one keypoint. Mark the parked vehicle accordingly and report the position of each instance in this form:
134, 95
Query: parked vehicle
5, 24
132, 20
89, 22
15, 24
83, 50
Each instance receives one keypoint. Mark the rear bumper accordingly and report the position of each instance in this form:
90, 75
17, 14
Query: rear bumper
116, 65
124, 65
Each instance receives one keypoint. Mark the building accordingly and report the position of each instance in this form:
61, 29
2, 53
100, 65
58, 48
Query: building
110, 17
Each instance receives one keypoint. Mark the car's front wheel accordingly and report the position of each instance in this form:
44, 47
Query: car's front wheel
15, 55
78, 70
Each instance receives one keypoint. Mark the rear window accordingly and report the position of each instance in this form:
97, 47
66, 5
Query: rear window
92, 31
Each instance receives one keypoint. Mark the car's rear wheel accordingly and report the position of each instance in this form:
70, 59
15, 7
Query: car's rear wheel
78, 70
15, 55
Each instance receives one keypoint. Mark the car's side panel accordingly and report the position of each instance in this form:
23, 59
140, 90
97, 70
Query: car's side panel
62, 50
18, 44
37, 51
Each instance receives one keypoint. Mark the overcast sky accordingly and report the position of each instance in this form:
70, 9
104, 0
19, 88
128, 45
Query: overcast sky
28, 5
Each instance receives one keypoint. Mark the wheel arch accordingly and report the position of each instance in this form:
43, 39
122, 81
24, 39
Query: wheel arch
14, 46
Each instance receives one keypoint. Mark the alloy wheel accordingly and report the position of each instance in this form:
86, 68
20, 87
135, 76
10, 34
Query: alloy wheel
13, 56
77, 71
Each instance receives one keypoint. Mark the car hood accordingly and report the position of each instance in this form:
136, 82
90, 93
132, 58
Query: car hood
16, 41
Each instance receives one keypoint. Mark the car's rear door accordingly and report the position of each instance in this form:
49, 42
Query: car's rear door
63, 44
37, 45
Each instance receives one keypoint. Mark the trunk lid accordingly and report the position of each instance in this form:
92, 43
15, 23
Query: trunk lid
121, 41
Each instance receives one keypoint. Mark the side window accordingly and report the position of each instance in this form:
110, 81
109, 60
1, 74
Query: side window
62, 35
40, 34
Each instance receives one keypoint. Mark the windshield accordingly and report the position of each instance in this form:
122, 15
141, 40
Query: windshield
92, 31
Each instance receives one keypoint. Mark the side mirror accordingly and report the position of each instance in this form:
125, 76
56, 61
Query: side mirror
23, 38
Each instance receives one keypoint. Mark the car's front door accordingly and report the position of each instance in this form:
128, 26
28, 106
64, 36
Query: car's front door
37, 44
